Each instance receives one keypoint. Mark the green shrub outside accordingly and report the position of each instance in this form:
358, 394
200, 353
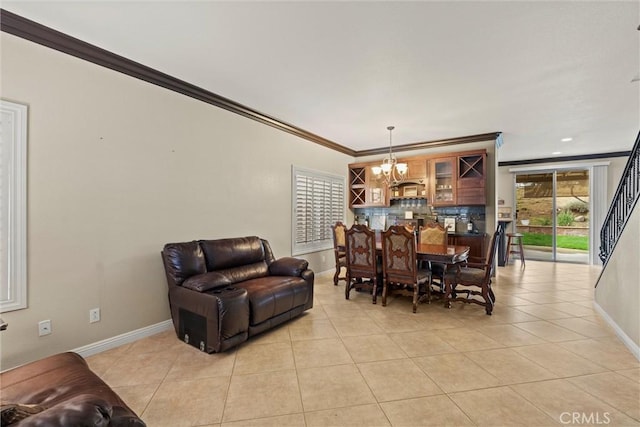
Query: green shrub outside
541, 220
566, 242
565, 218
578, 206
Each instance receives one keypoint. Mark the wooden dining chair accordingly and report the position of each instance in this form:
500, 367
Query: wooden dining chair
474, 279
434, 233
400, 265
362, 262
339, 251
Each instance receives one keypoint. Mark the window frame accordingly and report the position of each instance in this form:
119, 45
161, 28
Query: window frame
325, 237
15, 280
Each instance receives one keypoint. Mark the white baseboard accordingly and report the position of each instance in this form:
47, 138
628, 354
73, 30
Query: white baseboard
126, 338
330, 272
628, 342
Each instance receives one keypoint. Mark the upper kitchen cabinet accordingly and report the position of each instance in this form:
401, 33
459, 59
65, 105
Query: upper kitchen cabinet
449, 179
471, 179
414, 185
458, 180
442, 181
417, 170
364, 189
377, 190
357, 186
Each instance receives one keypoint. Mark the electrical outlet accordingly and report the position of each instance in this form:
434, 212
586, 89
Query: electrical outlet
324, 258
94, 315
44, 327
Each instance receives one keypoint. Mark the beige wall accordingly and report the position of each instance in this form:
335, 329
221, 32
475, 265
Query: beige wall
618, 292
119, 167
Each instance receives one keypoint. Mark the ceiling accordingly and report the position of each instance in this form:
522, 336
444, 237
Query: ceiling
536, 71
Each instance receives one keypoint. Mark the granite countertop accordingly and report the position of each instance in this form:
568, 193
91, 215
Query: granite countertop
478, 234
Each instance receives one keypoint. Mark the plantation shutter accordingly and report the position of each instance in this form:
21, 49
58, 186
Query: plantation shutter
13, 220
318, 203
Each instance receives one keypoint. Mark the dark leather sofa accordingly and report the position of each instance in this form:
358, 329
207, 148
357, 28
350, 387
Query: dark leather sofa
223, 291
61, 390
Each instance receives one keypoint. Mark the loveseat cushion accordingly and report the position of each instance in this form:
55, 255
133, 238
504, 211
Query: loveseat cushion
229, 276
228, 253
288, 266
183, 260
271, 296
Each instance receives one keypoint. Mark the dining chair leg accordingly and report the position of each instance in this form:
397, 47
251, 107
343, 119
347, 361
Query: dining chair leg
347, 287
447, 294
488, 304
375, 290
415, 297
384, 292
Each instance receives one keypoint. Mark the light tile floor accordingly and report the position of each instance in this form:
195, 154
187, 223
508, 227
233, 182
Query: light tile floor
543, 358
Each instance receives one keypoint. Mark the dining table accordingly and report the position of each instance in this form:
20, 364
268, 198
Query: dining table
447, 255
444, 254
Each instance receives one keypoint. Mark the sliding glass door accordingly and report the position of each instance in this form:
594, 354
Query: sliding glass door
535, 204
552, 211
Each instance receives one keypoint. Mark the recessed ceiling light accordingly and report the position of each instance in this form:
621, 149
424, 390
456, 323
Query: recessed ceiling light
555, 153
566, 139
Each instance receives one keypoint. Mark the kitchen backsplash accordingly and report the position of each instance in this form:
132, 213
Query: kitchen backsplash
419, 209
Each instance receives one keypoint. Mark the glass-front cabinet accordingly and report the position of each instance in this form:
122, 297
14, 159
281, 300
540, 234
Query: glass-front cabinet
442, 180
377, 190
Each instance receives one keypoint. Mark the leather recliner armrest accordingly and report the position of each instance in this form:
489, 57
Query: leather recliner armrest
83, 409
288, 266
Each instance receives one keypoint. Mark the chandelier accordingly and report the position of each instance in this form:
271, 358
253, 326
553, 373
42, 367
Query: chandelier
390, 171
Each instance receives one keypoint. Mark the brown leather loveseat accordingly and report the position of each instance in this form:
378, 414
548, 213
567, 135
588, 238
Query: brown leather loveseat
61, 391
223, 291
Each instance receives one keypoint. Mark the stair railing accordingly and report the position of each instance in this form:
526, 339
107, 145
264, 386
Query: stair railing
622, 204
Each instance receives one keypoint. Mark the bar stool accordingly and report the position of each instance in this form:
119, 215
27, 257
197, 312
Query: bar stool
514, 241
